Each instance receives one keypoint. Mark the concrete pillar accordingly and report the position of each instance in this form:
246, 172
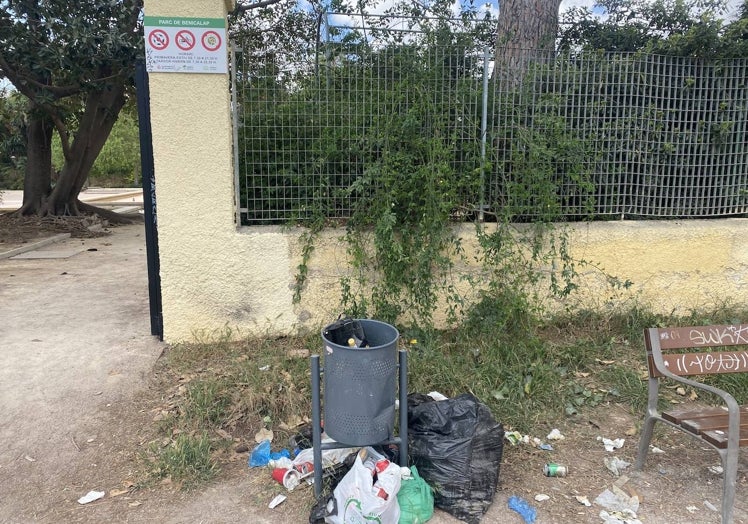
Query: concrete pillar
209, 278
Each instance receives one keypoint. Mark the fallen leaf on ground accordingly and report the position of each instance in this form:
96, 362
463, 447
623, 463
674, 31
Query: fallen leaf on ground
264, 434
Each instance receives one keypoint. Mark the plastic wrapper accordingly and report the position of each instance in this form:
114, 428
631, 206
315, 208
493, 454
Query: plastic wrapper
456, 444
366, 494
260, 455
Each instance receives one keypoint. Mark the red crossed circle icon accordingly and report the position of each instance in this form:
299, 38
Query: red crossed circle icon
185, 40
158, 39
211, 40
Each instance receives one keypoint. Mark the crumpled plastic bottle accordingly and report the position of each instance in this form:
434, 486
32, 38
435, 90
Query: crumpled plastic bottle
521, 506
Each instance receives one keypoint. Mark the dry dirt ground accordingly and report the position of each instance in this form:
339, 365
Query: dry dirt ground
77, 390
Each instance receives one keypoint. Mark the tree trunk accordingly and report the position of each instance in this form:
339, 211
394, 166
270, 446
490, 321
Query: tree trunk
526, 32
38, 175
99, 116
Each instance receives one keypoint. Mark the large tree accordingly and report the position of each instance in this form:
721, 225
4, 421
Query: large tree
74, 62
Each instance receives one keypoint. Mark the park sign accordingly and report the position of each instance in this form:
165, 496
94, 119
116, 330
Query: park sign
185, 45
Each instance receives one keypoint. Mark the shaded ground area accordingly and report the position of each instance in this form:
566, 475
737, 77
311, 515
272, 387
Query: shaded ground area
78, 393
17, 231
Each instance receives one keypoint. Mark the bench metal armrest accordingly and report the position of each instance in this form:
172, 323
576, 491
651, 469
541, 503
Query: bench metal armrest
733, 408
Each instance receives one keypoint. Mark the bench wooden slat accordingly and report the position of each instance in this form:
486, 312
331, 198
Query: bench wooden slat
703, 336
702, 416
704, 363
719, 438
700, 425
679, 414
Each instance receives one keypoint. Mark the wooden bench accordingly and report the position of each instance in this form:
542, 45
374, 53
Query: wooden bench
676, 353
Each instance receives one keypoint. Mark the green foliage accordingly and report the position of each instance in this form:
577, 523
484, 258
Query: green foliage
402, 160
671, 27
400, 229
67, 45
118, 164
12, 140
386, 138
75, 64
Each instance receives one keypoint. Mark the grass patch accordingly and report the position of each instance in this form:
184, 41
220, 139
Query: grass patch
187, 460
219, 394
531, 374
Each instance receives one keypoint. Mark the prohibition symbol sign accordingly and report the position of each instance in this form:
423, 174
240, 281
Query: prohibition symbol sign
185, 40
158, 39
211, 40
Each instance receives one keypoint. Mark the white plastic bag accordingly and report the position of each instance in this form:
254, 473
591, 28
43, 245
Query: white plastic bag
359, 500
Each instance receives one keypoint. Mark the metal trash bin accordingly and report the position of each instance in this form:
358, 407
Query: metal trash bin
360, 386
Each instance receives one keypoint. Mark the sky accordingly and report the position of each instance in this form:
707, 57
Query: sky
731, 11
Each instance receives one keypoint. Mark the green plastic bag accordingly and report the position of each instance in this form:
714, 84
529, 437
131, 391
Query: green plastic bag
415, 499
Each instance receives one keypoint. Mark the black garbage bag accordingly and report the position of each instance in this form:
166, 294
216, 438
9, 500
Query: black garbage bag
456, 445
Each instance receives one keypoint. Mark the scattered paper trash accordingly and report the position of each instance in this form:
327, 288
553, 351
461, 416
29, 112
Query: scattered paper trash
330, 457
692, 509
264, 434
584, 501
618, 501
710, 506
437, 396
611, 445
282, 462
264, 368
521, 506
618, 517
655, 449
717, 470
542, 497
555, 434
276, 501
29, 458
91, 496
616, 465
546, 447
514, 437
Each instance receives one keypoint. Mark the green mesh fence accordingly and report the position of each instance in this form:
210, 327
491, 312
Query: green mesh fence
537, 136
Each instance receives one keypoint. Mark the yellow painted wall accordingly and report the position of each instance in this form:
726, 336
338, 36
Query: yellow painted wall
215, 275
211, 274
675, 265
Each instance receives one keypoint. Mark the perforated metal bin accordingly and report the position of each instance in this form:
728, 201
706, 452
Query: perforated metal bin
360, 386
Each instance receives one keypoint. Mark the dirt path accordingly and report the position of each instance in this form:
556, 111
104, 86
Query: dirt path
74, 393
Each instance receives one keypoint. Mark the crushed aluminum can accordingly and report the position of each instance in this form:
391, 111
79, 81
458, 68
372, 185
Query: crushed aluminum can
305, 468
552, 469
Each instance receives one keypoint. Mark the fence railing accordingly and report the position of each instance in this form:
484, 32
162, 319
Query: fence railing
590, 135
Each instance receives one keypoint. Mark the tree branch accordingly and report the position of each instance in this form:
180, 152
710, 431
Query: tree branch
62, 130
240, 8
20, 80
